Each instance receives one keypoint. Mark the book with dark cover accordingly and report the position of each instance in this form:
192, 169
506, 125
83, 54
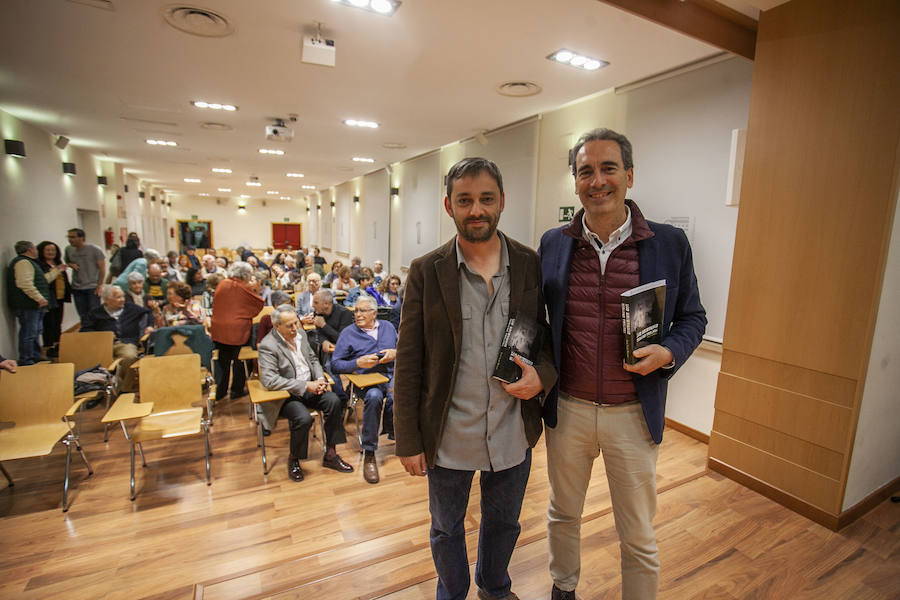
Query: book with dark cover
643, 308
523, 337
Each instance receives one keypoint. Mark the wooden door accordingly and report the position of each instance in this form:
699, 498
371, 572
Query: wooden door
284, 234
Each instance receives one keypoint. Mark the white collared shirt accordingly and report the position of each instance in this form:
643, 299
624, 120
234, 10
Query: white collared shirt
604, 249
372, 333
301, 367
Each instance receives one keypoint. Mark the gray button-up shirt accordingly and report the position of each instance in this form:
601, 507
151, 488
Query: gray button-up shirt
484, 428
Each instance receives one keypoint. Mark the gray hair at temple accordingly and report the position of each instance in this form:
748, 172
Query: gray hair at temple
604, 134
470, 167
151, 254
240, 270
278, 298
324, 295
107, 290
23, 247
135, 276
368, 299
280, 311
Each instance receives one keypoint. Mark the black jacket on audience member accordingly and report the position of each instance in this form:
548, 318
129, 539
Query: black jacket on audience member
129, 327
339, 318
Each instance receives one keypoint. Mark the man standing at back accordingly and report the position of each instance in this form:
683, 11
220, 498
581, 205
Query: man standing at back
451, 417
88, 264
604, 405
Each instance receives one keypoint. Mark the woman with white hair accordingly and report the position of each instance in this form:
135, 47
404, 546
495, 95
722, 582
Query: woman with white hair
134, 293
237, 301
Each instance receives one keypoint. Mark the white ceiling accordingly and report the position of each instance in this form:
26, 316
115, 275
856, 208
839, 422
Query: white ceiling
111, 79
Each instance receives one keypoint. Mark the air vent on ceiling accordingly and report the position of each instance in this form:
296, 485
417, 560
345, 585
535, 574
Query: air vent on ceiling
197, 21
216, 126
519, 89
394, 145
104, 4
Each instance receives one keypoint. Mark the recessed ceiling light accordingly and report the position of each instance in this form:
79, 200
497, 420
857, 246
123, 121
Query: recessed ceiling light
254, 183
285, 197
363, 159
203, 194
295, 174
214, 105
574, 59
272, 192
161, 143
245, 196
308, 187
381, 7
191, 180
358, 123
224, 189
268, 151
220, 170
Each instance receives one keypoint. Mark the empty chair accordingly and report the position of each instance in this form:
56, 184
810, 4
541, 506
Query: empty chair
87, 349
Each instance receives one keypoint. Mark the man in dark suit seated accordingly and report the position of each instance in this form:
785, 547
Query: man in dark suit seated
369, 346
286, 362
129, 322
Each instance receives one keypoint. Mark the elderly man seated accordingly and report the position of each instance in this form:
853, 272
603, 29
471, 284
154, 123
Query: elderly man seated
128, 322
370, 346
305, 298
286, 362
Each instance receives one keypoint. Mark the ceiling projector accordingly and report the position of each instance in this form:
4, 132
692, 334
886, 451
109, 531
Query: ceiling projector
279, 132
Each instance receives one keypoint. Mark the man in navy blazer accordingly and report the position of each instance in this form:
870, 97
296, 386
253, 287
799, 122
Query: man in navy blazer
602, 404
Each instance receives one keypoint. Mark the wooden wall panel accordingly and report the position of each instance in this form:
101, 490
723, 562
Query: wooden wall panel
809, 486
817, 201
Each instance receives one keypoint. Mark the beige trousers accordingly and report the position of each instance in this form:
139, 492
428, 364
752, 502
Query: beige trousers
583, 431
126, 376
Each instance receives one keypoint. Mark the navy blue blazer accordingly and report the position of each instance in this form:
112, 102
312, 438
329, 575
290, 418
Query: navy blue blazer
665, 255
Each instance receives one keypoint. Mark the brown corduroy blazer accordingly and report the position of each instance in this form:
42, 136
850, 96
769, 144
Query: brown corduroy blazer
431, 338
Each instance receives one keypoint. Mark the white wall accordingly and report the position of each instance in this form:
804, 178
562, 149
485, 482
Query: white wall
876, 448
343, 195
420, 204
375, 222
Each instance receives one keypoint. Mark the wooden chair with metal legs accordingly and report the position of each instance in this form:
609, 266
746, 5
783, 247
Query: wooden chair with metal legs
260, 395
37, 400
86, 349
170, 390
356, 391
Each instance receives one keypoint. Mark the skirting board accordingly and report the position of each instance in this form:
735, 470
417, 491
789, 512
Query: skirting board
688, 431
801, 507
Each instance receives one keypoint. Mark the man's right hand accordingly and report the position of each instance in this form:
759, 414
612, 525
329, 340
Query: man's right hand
367, 362
74, 266
42, 303
415, 465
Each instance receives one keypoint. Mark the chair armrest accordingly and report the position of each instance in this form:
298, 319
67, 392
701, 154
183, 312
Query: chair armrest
114, 365
366, 379
248, 353
78, 402
125, 409
136, 364
329, 379
259, 394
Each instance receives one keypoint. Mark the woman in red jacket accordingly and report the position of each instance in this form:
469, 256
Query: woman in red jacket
236, 302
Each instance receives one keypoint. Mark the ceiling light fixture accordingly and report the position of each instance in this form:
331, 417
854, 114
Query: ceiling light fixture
214, 105
272, 192
191, 180
224, 189
576, 60
268, 151
203, 194
220, 170
363, 159
254, 184
295, 175
308, 187
381, 7
162, 143
285, 198
245, 196
15, 148
358, 123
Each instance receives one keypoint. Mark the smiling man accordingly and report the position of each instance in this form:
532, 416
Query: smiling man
602, 404
451, 417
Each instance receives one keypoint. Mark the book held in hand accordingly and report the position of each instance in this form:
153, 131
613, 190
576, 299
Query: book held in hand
643, 308
522, 338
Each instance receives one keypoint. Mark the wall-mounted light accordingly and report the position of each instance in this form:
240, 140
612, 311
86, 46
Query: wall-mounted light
356, 198
395, 191
101, 180
242, 210
332, 204
152, 198
126, 188
69, 168
141, 194
15, 148
307, 209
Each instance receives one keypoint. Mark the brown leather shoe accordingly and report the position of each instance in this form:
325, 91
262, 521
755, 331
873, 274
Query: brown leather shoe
370, 469
337, 463
483, 595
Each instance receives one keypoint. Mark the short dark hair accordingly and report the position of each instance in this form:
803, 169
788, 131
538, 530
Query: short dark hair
77, 231
181, 289
604, 134
23, 246
469, 167
366, 273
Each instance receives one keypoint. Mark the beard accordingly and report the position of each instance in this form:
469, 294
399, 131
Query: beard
474, 230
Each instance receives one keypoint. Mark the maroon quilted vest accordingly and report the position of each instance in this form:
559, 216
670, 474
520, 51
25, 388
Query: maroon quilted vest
593, 345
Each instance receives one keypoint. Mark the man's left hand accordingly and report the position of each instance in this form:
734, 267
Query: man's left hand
99, 290
652, 357
528, 386
389, 355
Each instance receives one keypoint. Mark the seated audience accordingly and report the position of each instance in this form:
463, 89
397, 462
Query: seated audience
355, 266
364, 287
173, 274
192, 256
210, 265
265, 290
310, 263
336, 266
155, 285
390, 290
134, 293
378, 272
291, 274
269, 255
196, 281
209, 293
343, 282
179, 308
304, 298
129, 322
319, 260
265, 323
221, 263
140, 265
368, 346
237, 301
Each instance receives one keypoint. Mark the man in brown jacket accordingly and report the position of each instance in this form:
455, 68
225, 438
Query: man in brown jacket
450, 417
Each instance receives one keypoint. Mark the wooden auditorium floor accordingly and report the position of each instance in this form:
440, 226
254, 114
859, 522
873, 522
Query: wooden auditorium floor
334, 536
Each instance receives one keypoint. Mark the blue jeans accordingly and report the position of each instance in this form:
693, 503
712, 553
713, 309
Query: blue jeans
85, 301
372, 415
501, 502
31, 324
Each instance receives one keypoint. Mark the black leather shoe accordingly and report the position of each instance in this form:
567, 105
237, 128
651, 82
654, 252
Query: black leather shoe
370, 469
91, 404
294, 470
336, 463
483, 595
558, 594
266, 432
236, 395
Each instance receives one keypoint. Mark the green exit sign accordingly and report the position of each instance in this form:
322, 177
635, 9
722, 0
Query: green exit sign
193, 217
288, 220
566, 213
